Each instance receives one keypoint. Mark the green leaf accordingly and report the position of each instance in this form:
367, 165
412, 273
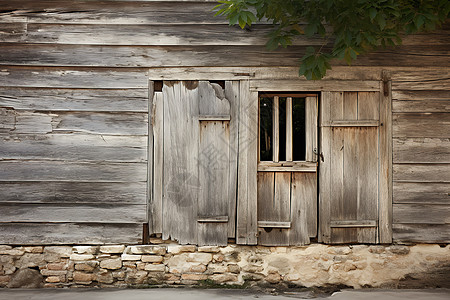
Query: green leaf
372, 13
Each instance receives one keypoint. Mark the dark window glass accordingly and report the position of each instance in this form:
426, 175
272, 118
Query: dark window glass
265, 128
299, 131
282, 128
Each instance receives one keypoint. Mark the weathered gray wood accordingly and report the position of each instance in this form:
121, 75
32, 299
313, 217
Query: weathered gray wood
385, 164
124, 100
421, 233
158, 161
73, 147
73, 192
354, 223
421, 106
289, 136
421, 213
368, 106
292, 85
71, 78
32, 122
424, 95
98, 213
266, 190
181, 181
12, 32
7, 119
419, 84
70, 233
274, 224
422, 172
421, 192
116, 12
406, 125
303, 208
16, 170
421, 150
418, 75
311, 128
268, 166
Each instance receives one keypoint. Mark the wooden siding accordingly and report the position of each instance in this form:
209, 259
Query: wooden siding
74, 114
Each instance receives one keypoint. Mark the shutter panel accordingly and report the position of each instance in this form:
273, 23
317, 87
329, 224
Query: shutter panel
198, 168
349, 174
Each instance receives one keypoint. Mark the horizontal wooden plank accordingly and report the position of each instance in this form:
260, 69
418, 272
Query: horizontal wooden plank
115, 12
126, 100
422, 172
274, 224
419, 75
70, 78
404, 213
98, 213
74, 192
217, 219
74, 147
431, 125
123, 123
70, 233
214, 118
290, 166
421, 106
12, 32
353, 223
421, 193
417, 84
421, 233
421, 150
72, 171
424, 95
308, 86
355, 123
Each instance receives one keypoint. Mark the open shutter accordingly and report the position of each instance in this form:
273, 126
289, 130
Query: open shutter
194, 185
349, 174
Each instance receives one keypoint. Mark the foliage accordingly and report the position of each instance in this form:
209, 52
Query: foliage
348, 27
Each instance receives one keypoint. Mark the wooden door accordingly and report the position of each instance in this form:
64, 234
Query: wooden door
287, 184
349, 174
195, 161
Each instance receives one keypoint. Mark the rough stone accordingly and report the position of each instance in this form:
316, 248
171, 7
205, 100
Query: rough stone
400, 250
155, 268
137, 277
31, 260
81, 257
80, 277
218, 257
273, 278
223, 278
194, 277
112, 264
85, 249
209, 249
203, 258
131, 257
181, 248
146, 249
34, 249
4, 248
119, 274
215, 268
86, 266
152, 258
105, 278
197, 268
26, 278
113, 249
129, 264
18, 251
4, 279
47, 272
53, 279
234, 269
61, 251
57, 266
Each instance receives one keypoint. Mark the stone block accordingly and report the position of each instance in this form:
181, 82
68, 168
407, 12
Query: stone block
146, 249
7, 250
131, 257
53, 279
112, 264
31, 260
119, 274
203, 258
218, 257
26, 278
4, 279
398, 249
129, 264
80, 277
4, 248
81, 257
47, 272
105, 278
34, 249
177, 249
197, 268
273, 278
57, 266
112, 249
194, 277
155, 268
224, 278
216, 268
61, 251
85, 249
87, 266
152, 258
137, 277
234, 269
209, 249
140, 265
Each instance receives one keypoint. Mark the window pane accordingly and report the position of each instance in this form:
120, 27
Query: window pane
265, 128
299, 132
282, 128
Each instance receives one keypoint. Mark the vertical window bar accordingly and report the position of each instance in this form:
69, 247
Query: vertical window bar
276, 131
289, 129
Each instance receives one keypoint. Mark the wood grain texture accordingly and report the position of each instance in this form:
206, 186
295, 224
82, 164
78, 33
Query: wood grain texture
427, 125
100, 213
421, 106
16, 170
421, 150
421, 192
405, 213
422, 172
70, 233
119, 100
73, 192
421, 233
157, 162
311, 120
303, 208
73, 147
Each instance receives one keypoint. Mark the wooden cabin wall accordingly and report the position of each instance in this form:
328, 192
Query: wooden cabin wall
74, 113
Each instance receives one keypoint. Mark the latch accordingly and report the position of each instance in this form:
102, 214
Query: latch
319, 155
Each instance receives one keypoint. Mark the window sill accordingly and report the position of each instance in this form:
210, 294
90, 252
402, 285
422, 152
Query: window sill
287, 166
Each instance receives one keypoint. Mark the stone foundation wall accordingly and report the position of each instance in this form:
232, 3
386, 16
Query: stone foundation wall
140, 265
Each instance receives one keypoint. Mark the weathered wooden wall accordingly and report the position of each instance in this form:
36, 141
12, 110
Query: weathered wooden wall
74, 115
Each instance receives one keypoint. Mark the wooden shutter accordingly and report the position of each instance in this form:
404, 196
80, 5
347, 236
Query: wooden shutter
349, 174
194, 186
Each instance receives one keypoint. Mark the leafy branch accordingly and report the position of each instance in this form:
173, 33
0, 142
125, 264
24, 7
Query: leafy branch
348, 28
